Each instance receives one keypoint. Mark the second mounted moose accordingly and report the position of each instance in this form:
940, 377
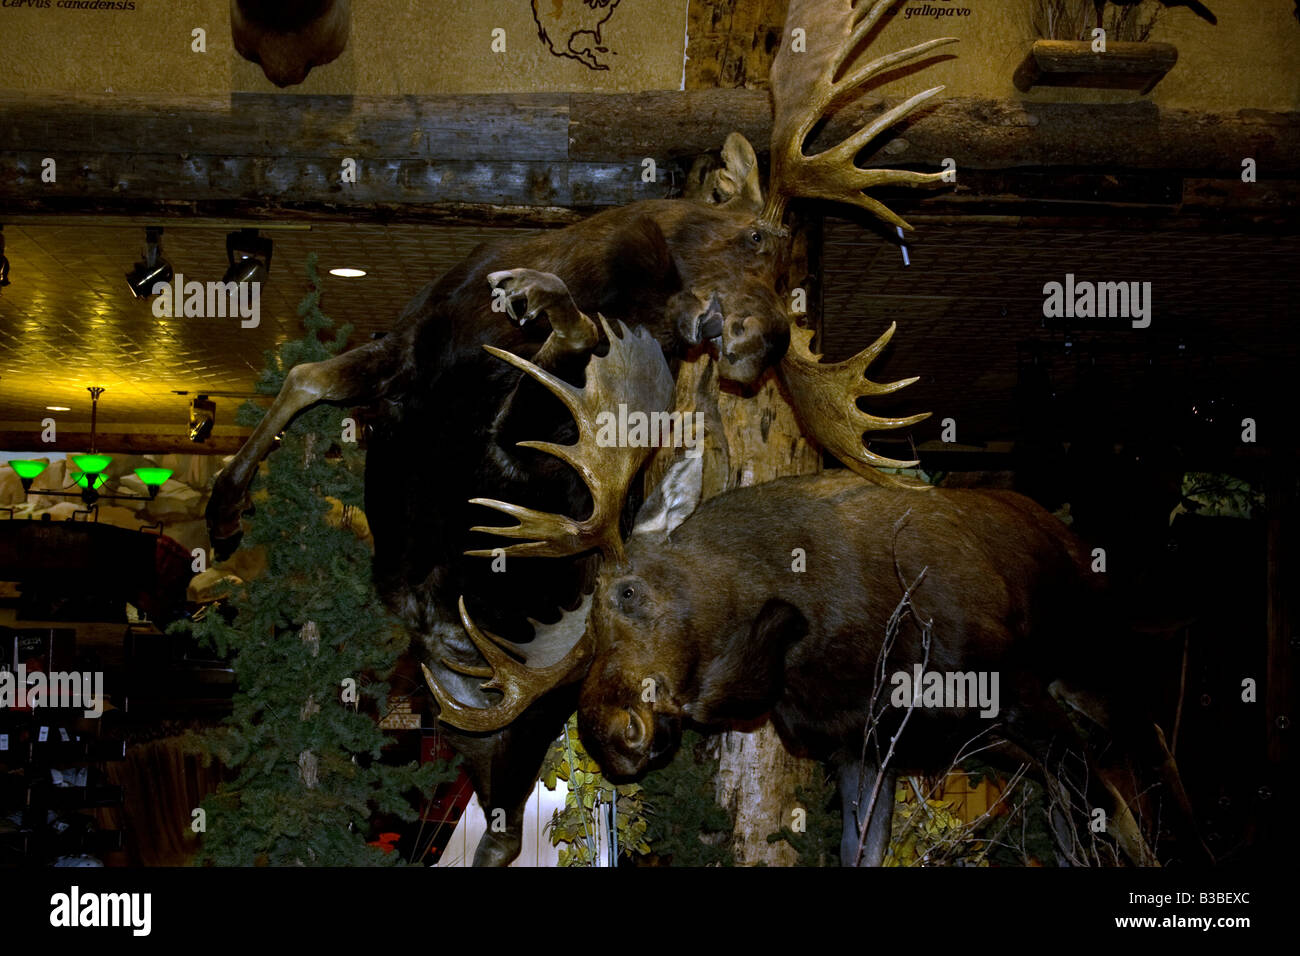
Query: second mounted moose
450, 415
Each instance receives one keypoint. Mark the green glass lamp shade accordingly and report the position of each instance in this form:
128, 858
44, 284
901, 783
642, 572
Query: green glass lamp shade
83, 480
28, 469
92, 464
154, 477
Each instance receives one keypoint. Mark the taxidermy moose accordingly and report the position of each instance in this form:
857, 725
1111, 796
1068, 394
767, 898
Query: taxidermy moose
455, 422
701, 616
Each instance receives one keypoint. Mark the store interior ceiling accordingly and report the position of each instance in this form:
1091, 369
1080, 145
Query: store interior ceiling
968, 303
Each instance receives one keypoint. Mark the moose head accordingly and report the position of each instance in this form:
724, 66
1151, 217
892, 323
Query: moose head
628, 611
729, 300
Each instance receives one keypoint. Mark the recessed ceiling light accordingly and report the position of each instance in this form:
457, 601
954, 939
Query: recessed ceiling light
348, 273
57, 408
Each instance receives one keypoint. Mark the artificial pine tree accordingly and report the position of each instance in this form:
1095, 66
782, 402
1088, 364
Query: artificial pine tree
307, 636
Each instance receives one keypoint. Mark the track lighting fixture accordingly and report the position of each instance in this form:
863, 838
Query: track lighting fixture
248, 255
152, 269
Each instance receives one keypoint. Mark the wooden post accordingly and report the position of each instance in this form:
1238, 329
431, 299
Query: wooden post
749, 439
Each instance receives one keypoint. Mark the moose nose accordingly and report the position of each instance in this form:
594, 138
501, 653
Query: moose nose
709, 323
634, 734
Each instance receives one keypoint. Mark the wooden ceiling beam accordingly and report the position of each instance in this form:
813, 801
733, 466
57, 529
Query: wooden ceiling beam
538, 158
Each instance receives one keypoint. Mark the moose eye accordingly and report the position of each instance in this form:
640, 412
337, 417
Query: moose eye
756, 237
628, 593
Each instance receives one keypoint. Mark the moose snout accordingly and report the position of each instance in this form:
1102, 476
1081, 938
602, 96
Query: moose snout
628, 742
634, 732
709, 322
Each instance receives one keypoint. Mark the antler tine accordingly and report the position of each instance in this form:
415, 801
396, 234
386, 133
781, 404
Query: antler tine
804, 87
634, 374
865, 72
519, 683
847, 149
820, 392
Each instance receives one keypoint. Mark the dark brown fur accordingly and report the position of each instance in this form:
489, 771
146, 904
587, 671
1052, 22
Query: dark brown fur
714, 616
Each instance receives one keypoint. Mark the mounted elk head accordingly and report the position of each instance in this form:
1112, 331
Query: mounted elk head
289, 37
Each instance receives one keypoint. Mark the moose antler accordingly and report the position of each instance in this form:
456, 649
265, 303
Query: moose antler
521, 681
635, 376
804, 86
821, 391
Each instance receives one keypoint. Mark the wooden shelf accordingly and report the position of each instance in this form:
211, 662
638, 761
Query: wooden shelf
1124, 66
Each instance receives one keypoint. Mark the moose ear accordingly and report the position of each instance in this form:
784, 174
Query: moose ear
739, 175
732, 185
673, 501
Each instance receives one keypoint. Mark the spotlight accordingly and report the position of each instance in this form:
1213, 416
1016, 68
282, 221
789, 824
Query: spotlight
249, 255
153, 268
203, 415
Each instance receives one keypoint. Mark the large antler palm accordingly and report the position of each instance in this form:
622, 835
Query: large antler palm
804, 87
633, 374
825, 396
806, 83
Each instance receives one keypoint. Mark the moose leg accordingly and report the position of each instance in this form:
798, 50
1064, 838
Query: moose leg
503, 768
531, 295
361, 375
1137, 737
856, 783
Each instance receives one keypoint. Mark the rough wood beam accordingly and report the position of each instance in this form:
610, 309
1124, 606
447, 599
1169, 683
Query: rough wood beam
485, 158
978, 133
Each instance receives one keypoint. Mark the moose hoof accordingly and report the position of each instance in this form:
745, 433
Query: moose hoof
498, 849
224, 547
225, 531
527, 294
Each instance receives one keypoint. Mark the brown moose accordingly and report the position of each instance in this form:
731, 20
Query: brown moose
448, 417
702, 617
